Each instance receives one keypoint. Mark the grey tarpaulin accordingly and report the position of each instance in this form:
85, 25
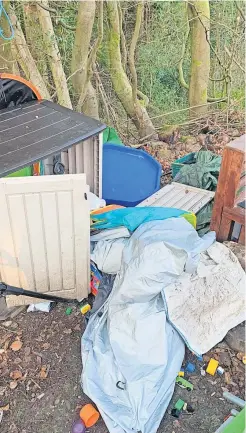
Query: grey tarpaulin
131, 342
202, 174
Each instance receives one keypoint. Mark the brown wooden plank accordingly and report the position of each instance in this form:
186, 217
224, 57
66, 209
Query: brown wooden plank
241, 239
225, 229
236, 214
228, 182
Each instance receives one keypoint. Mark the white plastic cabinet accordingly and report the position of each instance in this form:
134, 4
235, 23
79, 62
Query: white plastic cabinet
44, 236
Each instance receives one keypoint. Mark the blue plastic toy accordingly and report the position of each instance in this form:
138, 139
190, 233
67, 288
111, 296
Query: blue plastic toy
190, 368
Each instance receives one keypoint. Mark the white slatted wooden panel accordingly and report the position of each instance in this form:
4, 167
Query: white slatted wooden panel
177, 195
44, 235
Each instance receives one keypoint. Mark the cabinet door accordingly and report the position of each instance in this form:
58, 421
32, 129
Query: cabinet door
45, 235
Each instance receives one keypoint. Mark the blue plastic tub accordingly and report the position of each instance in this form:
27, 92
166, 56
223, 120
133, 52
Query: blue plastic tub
129, 175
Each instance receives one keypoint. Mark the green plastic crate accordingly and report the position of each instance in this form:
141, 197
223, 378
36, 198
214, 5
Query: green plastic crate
179, 163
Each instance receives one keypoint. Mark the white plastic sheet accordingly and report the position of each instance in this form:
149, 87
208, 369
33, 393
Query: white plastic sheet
131, 341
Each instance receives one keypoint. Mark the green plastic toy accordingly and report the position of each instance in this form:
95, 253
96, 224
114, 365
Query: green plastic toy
184, 383
179, 405
237, 425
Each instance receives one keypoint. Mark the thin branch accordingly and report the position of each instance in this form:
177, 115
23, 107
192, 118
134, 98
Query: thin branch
234, 60
184, 109
46, 8
92, 56
240, 10
122, 38
57, 19
143, 97
180, 64
135, 36
102, 93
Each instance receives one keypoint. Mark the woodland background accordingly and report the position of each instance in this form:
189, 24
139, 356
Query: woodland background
140, 66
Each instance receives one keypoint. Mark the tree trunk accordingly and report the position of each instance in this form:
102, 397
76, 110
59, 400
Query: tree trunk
122, 86
87, 98
199, 19
8, 62
90, 105
54, 56
36, 47
25, 58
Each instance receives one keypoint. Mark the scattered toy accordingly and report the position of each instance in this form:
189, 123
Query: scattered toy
233, 398
179, 404
85, 308
190, 368
212, 366
184, 383
220, 370
181, 373
190, 409
244, 360
78, 427
68, 311
175, 413
89, 415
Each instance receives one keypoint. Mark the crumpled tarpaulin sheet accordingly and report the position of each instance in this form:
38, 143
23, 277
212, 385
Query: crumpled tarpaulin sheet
204, 306
131, 340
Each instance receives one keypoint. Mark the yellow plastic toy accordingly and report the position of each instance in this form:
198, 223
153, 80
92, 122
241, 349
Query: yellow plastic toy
212, 366
181, 373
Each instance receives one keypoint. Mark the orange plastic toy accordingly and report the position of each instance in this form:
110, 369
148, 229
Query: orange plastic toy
89, 415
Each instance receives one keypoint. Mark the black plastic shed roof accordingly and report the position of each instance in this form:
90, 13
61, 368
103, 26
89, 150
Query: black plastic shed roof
37, 129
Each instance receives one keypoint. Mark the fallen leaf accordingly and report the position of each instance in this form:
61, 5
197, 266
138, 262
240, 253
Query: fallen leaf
6, 345
5, 408
67, 331
46, 346
16, 374
2, 351
16, 345
40, 396
77, 328
240, 356
13, 384
2, 390
8, 323
27, 351
227, 378
44, 371
17, 361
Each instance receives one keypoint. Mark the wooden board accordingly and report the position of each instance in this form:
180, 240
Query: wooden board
177, 195
44, 235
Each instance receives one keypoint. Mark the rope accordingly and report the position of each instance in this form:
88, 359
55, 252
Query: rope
3, 13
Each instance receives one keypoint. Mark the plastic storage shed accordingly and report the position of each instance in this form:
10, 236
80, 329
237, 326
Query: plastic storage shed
41, 130
129, 175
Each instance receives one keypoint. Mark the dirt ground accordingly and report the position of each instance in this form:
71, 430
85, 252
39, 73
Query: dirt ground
45, 374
